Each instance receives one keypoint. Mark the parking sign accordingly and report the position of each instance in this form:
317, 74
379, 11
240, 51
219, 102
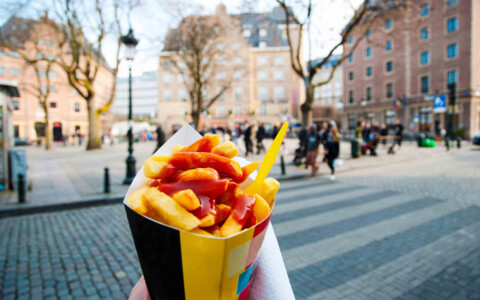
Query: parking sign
440, 104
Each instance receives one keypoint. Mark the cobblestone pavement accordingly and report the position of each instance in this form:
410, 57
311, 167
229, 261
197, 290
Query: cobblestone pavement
371, 234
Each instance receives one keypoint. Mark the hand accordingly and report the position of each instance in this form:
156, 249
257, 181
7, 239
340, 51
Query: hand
140, 291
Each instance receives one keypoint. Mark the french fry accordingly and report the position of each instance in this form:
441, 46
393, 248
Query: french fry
270, 188
201, 231
155, 165
208, 220
173, 213
137, 202
205, 144
223, 211
231, 226
177, 148
198, 174
226, 149
261, 209
249, 169
187, 199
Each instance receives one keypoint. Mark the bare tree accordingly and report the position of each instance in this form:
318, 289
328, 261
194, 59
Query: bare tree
197, 50
364, 16
83, 61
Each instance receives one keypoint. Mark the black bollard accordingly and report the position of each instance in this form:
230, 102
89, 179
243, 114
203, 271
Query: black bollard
447, 142
106, 181
282, 165
21, 189
459, 142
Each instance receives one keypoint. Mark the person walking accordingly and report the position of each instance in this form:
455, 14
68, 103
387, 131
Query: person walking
384, 134
260, 135
310, 146
398, 132
332, 146
247, 137
160, 137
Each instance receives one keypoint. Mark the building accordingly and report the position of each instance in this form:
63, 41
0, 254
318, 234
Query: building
144, 96
255, 55
328, 98
409, 58
67, 110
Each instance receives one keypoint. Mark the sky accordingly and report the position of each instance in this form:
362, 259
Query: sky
152, 18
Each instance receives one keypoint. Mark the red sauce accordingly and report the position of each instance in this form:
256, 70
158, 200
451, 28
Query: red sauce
211, 188
207, 205
243, 208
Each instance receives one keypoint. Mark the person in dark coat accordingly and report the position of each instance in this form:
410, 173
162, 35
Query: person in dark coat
310, 146
260, 135
384, 133
332, 147
398, 132
160, 137
247, 137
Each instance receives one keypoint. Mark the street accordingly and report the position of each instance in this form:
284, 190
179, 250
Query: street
407, 229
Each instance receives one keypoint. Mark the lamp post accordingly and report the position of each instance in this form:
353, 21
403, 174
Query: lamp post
130, 42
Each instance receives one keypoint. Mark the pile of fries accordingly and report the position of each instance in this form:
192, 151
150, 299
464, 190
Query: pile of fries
196, 189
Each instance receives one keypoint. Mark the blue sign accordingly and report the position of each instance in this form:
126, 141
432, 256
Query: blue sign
440, 104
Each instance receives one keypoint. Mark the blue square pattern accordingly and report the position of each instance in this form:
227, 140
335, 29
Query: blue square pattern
244, 278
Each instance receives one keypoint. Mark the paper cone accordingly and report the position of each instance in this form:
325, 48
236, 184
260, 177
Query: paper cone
183, 265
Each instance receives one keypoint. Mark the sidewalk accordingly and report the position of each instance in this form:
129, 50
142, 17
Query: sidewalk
71, 174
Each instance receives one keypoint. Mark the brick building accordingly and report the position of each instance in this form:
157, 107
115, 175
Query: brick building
256, 56
67, 110
410, 57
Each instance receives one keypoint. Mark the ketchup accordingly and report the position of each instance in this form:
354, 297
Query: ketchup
243, 208
209, 188
207, 205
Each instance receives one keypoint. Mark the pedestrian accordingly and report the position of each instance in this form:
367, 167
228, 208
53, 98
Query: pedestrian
373, 138
323, 132
311, 144
247, 137
438, 131
398, 129
384, 134
333, 147
366, 132
275, 130
260, 135
359, 131
236, 133
160, 137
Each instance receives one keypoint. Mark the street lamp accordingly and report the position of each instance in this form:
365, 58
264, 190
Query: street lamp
130, 42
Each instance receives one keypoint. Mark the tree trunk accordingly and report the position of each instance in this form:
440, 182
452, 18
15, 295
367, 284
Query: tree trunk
306, 107
94, 130
48, 130
196, 118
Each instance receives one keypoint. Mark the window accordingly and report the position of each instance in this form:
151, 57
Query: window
52, 74
368, 91
452, 50
279, 92
52, 43
278, 75
221, 75
235, 46
53, 89
14, 54
221, 61
425, 57
2, 53
222, 95
350, 39
237, 75
3, 70
53, 104
425, 84
452, 24
389, 90
14, 71
238, 110
247, 33
351, 122
350, 57
41, 42
43, 88
40, 56
77, 107
262, 32
262, 44
278, 60
368, 52
167, 95
350, 96
388, 45
205, 61
368, 71
263, 92
220, 46
180, 78
262, 60
451, 77
350, 76
182, 64
368, 32
182, 95
424, 33
388, 24
389, 66
451, 2
316, 93
262, 75
42, 73
390, 117
238, 92
15, 105
425, 10
237, 60
263, 110
167, 78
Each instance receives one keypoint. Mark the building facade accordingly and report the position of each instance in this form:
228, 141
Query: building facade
328, 99
410, 58
67, 110
144, 96
255, 57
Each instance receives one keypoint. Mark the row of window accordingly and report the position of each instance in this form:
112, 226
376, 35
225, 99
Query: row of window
262, 91
13, 71
13, 53
452, 78
53, 104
